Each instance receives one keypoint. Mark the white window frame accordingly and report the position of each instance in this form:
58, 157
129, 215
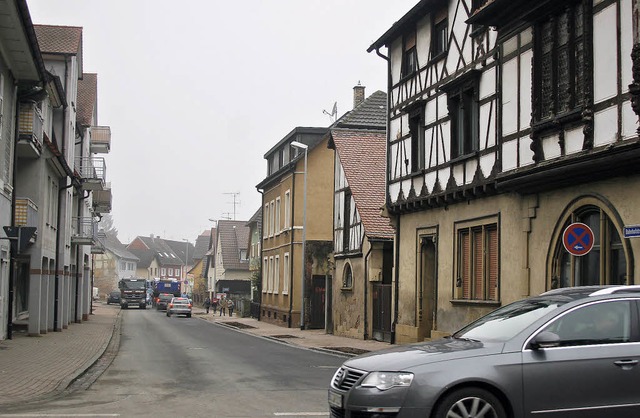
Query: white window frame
163, 272
266, 217
265, 274
278, 230
287, 209
271, 274
285, 276
276, 274
272, 228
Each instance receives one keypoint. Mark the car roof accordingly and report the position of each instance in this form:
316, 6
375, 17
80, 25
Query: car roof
580, 292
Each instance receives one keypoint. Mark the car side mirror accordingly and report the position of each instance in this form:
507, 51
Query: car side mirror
546, 339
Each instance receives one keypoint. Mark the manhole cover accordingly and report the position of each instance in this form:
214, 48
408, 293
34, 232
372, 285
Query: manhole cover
238, 325
284, 336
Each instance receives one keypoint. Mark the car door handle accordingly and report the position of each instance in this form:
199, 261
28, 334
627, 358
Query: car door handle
626, 364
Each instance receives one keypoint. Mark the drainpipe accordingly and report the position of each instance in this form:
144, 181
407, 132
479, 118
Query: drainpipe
366, 291
291, 281
56, 293
397, 284
12, 254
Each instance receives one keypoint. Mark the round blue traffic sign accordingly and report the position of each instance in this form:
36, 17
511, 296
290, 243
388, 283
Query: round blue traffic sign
578, 239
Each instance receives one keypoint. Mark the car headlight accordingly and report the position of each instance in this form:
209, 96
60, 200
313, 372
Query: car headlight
387, 380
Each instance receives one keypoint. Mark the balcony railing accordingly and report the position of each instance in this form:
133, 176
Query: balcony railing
102, 199
99, 245
83, 230
30, 132
92, 170
100, 139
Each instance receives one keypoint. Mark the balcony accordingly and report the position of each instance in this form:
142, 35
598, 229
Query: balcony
30, 132
83, 231
92, 170
99, 246
102, 200
100, 139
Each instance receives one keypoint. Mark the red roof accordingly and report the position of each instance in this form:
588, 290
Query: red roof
59, 39
362, 155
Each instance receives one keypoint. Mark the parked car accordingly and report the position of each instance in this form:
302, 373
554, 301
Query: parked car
180, 306
114, 297
163, 300
568, 352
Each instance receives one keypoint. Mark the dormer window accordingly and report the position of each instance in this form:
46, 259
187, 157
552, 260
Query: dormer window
440, 34
409, 55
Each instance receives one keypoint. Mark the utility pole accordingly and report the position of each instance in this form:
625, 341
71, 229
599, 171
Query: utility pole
235, 202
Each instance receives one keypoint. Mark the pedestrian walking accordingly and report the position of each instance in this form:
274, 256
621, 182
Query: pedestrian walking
214, 303
207, 304
230, 306
223, 307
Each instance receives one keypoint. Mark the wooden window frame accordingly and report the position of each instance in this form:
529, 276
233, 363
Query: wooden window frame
464, 111
440, 34
409, 55
477, 261
416, 128
553, 112
609, 245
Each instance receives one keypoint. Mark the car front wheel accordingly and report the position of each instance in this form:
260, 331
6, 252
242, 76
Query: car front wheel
470, 403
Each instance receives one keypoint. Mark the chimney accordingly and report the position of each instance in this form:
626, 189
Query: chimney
358, 95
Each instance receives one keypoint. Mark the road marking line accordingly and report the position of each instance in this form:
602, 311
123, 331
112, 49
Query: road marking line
59, 415
299, 414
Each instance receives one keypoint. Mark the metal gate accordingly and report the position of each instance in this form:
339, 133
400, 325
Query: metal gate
381, 300
317, 302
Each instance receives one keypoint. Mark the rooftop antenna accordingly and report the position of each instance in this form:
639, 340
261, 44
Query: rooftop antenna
226, 215
234, 203
333, 116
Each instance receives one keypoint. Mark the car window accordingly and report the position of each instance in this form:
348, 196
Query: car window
597, 323
506, 322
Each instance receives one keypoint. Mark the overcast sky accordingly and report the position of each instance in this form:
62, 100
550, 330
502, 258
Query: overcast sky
196, 92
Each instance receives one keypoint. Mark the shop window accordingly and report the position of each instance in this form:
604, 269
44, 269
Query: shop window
605, 264
477, 263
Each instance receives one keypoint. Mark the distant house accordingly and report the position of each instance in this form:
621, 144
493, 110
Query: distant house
255, 252
114, 264
362, 237
157, 258
231, 259
293, 284
208, 268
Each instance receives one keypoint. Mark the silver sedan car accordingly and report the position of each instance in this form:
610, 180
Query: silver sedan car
179, 306
571, 352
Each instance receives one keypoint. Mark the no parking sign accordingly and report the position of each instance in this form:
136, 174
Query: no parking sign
578, 239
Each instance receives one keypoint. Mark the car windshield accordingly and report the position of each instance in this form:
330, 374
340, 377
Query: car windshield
180, 300
506, 322
166, 297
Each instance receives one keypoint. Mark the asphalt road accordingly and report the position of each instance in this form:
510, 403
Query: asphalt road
170, 367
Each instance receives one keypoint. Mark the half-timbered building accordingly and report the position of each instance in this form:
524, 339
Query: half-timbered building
509, 120
362, 237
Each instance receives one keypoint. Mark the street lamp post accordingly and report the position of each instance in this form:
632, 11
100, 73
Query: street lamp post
304, 229
186, 261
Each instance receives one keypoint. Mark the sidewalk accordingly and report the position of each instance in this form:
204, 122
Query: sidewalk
36, 368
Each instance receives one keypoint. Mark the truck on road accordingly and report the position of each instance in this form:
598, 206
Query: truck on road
133, 291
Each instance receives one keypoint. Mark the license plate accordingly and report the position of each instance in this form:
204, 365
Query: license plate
335, 399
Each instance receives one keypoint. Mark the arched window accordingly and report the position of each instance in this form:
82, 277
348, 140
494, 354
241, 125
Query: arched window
347, 277
605, 264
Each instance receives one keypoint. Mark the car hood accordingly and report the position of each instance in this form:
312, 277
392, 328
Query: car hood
407, 356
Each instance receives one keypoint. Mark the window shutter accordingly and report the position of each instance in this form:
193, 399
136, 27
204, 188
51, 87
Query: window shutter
492, 262
464, 272
478, 270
